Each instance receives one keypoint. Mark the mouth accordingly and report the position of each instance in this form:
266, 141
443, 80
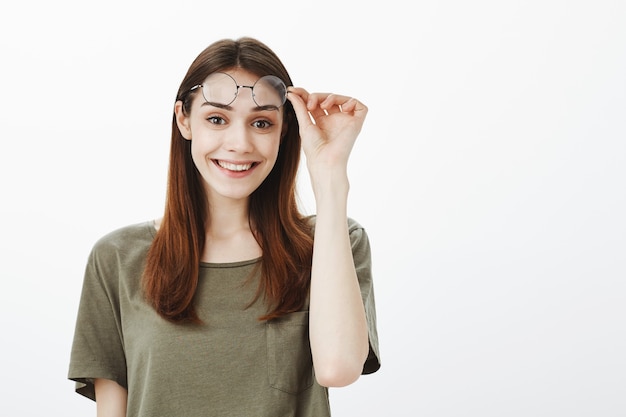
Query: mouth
233, 166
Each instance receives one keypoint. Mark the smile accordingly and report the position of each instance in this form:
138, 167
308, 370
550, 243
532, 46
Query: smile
231, 166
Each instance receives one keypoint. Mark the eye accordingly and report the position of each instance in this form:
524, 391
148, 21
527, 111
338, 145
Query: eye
216, 120
262, 124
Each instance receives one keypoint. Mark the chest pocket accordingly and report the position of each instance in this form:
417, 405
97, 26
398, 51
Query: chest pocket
290, 365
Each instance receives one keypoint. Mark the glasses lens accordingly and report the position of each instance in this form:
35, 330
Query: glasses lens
269, 91
219, 88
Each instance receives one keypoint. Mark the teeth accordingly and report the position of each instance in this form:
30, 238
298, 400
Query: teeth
234, 167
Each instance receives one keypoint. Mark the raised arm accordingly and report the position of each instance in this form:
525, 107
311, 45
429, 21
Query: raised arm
329, 125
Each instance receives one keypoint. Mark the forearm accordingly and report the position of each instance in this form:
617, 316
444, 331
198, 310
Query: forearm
338, 328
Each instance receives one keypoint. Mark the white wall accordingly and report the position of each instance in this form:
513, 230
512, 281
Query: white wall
490, 176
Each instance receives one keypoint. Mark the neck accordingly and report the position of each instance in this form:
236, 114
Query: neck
226, 217
229, 237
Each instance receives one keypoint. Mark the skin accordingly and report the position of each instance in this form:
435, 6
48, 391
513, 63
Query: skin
329, 125
110, 398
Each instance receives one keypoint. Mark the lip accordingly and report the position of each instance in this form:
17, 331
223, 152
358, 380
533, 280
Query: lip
234, 173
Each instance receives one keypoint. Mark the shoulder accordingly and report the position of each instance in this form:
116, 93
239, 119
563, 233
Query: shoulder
127, 235
355, 227
116, 261
128, 241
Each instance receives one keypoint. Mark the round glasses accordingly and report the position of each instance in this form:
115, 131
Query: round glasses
221, 89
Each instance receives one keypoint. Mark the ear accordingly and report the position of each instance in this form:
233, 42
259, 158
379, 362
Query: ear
182, 120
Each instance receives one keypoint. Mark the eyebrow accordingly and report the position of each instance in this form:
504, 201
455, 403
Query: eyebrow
218, 105
230, 108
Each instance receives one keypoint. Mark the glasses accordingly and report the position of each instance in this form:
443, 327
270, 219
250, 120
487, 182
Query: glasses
222, 89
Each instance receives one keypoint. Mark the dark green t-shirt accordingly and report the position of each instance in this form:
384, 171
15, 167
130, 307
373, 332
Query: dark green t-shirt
231, 365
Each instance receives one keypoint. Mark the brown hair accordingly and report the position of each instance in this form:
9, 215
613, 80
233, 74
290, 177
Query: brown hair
172, 265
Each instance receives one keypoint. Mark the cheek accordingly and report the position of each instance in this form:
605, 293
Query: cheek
199, 150
272, 149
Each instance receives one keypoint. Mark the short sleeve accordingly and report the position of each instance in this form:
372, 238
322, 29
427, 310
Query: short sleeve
97, 348
361, 253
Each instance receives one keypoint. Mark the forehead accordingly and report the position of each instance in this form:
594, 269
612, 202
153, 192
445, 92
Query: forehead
242, 76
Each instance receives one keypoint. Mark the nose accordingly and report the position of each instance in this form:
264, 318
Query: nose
238, 138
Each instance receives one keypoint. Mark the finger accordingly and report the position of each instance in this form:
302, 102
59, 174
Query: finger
313, 104
334, 100
355, 106
304, 94
317, 112
325, 100
333, 110
295, 96
316, 99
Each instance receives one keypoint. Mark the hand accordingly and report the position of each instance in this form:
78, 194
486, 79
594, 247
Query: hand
329, 125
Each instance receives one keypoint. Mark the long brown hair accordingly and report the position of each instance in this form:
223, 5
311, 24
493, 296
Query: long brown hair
172, 265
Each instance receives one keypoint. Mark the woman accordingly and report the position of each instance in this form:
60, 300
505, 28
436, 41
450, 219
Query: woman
234, 303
